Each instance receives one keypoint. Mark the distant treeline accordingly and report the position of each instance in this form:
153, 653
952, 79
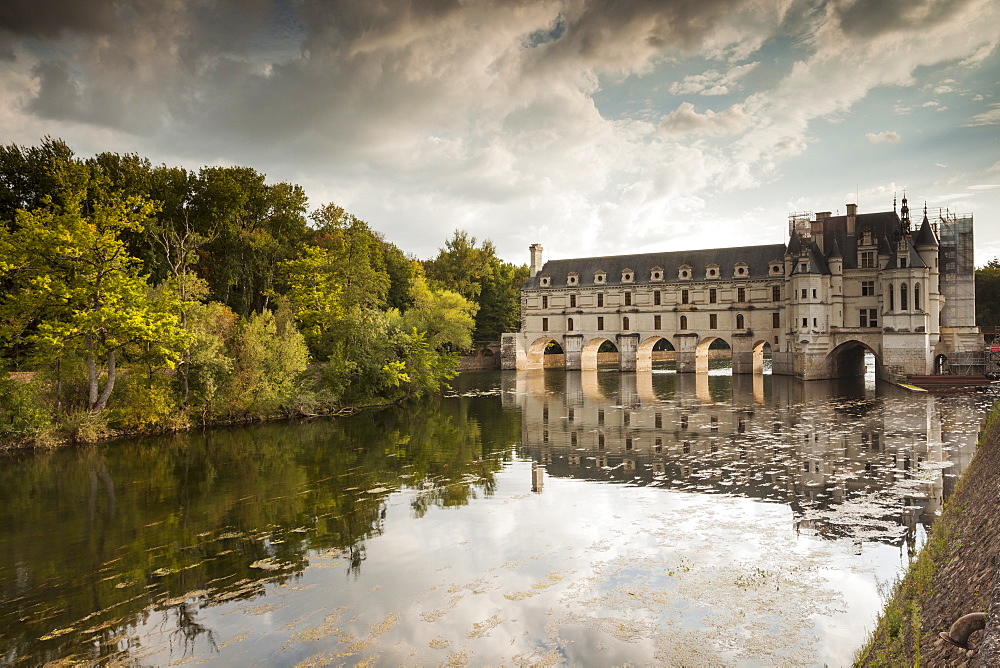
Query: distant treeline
143, 297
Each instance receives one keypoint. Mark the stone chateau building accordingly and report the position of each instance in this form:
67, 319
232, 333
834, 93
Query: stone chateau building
842, 285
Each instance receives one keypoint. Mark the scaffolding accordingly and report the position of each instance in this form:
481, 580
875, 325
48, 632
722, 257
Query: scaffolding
800, 222
957, 268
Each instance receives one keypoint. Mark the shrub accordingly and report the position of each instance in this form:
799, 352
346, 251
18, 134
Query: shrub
23, 412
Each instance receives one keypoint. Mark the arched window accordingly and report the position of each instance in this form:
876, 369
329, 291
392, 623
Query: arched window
625, 324
569, 324
739, 321
684, 322
916, 296
892, 298
902, 298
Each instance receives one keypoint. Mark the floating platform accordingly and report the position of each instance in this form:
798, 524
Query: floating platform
951, 382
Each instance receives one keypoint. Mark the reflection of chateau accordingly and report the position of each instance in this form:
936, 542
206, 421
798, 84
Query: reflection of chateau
793, 442
842, 285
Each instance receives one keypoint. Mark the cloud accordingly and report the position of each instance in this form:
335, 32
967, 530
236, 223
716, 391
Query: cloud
686, 121
432, 114
711, 82
887, 137
988, 117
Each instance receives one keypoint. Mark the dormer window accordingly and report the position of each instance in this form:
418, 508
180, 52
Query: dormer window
572, 278
600, 277
902, 263
775, 269
545, 280
741, 270
712, 271
656, 274
684, 272
627, 276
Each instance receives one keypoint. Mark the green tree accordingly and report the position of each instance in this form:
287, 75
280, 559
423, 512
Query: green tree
29, 175
78, 293
988, 294
268, 355
252, 226
358, 264
314, 294
479, 275
461, 266
500, 301
445, 317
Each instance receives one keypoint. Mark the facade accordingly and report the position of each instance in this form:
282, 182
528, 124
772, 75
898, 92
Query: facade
842, 285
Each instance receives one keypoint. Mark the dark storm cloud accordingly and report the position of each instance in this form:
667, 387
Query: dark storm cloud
51, 19
57, 96
613, 32
869, 18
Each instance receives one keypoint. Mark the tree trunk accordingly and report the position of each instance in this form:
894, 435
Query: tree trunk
109, 385
92, 378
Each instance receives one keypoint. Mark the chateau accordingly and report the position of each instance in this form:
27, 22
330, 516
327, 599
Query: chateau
841, 286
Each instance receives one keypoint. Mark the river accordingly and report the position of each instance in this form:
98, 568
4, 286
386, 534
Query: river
543, 518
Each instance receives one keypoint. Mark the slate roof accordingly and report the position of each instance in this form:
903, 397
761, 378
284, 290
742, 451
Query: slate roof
885, 226
925, 237
757, 258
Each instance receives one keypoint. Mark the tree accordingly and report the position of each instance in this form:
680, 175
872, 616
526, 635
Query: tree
78, 293
445, 317
253, 227
461, 266
500, 301
30, 175
315, 296
480, 276
358, 265
988, 294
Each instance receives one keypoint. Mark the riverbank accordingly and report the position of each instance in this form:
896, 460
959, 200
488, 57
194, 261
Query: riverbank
954, 574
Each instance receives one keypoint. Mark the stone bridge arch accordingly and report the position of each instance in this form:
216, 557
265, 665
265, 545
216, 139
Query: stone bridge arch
644, 351
760, 349
701, 352
847, 358
589, 350
534, 355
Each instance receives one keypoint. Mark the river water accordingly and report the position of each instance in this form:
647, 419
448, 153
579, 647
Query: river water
543, 518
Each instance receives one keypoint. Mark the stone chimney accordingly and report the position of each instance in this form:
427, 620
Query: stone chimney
536, 259
816, 229
852, 217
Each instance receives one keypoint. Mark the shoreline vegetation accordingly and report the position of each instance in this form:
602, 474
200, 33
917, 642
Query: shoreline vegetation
137, 298
952, 575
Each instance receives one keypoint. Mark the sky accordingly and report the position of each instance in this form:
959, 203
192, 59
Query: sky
593, 127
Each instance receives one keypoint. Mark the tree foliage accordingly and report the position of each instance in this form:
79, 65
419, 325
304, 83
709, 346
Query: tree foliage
988, 294
218, 296
77, 293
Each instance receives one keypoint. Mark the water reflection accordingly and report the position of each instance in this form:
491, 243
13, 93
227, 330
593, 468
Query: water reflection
96, 540
420, 536
849, 462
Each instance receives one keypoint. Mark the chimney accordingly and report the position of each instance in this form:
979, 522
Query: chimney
536, 259
852, 217
816, 229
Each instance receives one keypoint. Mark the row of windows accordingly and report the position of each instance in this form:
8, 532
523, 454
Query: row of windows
713, 322
741, 269
904, 297
713, 297
868, 260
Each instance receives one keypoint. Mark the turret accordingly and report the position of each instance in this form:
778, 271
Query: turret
904, 216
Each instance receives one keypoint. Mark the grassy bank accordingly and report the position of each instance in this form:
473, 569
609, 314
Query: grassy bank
953, 574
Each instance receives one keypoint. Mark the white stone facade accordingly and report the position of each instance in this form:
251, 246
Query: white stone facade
842, 285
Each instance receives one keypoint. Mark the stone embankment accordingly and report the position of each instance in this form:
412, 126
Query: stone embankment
956, 573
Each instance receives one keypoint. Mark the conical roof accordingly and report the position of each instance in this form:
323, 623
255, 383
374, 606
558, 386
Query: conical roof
925, 237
